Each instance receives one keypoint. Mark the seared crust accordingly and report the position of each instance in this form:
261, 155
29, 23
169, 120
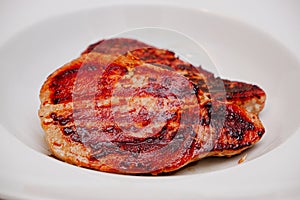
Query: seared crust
119, 114
116, 46
234, 129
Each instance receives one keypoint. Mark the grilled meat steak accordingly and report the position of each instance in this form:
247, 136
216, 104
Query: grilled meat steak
116, 110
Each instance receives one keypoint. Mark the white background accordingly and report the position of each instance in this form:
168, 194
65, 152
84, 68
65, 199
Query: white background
279, 18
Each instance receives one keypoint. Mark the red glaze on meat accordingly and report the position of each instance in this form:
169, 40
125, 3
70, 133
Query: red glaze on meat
120, 114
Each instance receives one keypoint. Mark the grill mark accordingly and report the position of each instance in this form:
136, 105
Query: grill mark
120, 144
61, 119
236, 133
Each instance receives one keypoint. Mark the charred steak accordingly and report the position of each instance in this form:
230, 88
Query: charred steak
131, 108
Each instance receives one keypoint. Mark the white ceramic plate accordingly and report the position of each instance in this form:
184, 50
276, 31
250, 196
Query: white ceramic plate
240, 53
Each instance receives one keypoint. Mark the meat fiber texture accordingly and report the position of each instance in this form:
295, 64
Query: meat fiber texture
127, 107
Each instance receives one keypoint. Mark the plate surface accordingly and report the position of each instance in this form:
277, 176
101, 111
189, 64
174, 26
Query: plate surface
239, 51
